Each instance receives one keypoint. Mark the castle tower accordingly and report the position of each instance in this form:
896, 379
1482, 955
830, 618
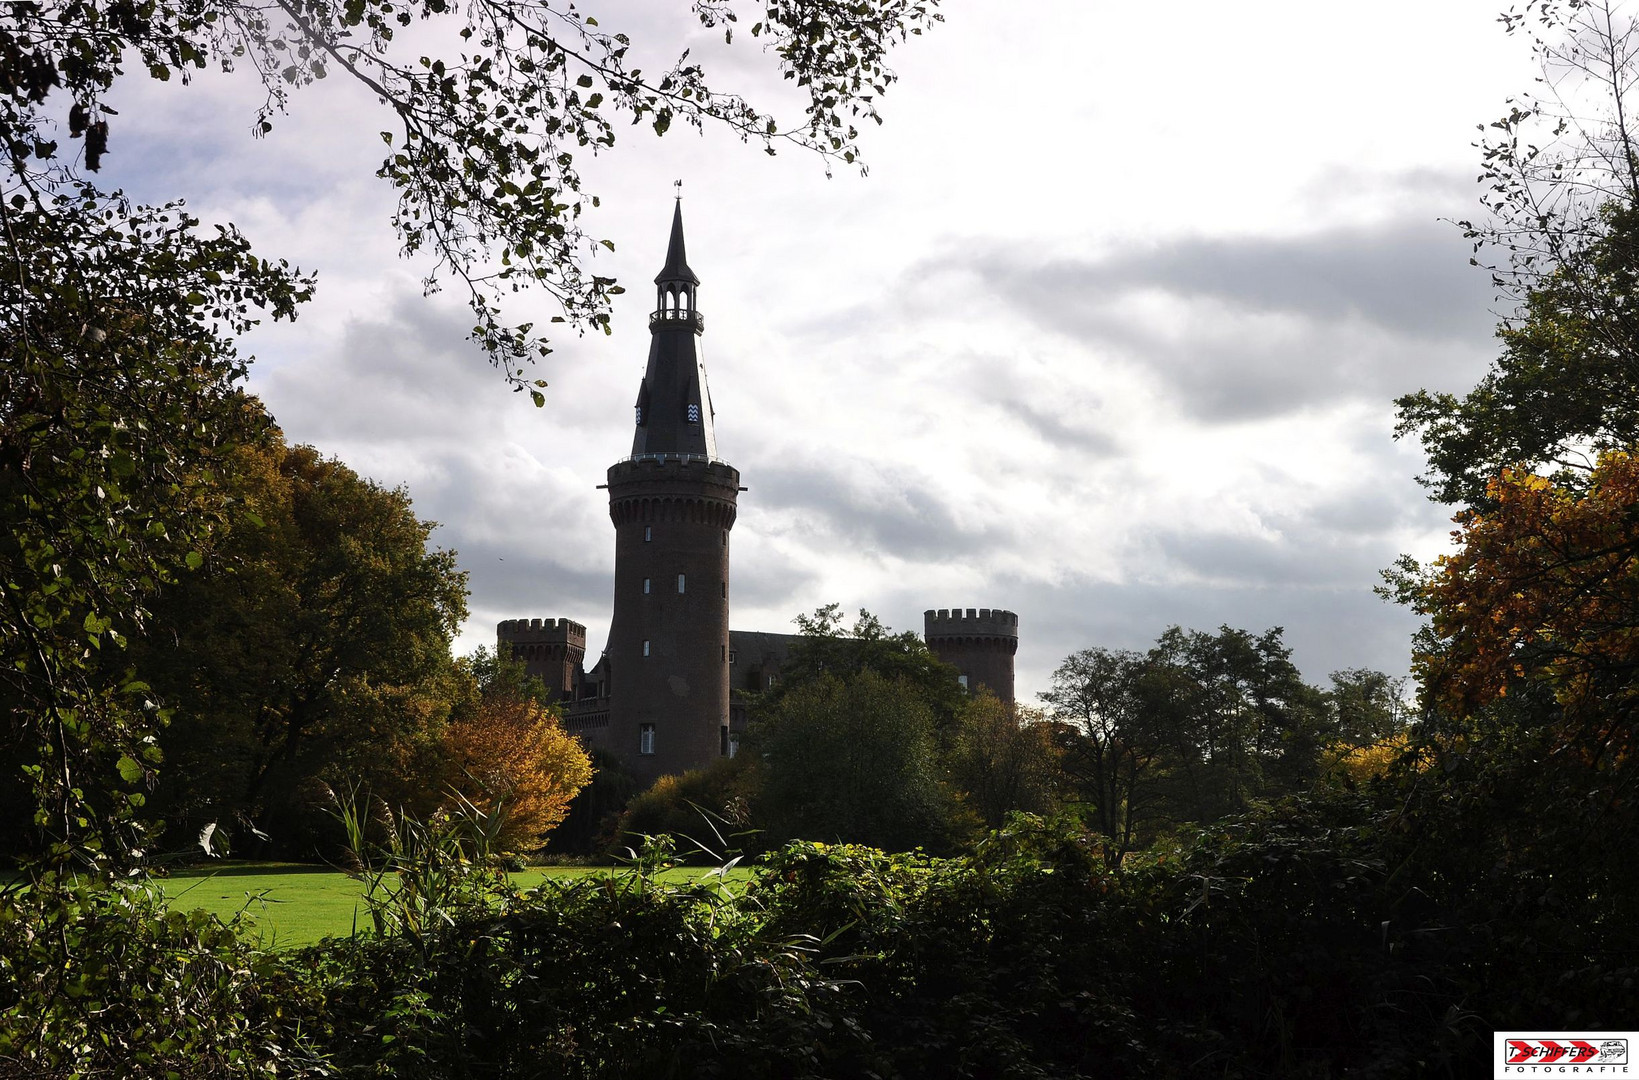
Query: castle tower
979, 644
552, 649
672, 503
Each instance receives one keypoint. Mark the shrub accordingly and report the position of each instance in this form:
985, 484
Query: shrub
707, 812
104, 980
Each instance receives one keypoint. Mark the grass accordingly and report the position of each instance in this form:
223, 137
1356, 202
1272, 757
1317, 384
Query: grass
286, 905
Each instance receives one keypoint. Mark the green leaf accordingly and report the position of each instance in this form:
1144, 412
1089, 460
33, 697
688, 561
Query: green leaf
194, 560
130, 770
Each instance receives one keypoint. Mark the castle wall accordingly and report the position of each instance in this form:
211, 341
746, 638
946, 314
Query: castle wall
979, 643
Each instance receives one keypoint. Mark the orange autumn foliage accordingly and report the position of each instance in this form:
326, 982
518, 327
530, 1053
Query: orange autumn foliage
1544, 587
514, 754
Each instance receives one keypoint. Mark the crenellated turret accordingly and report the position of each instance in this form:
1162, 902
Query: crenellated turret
979, 643
553, 650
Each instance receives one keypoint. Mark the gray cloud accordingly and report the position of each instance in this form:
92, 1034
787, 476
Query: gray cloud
1054, 431
1263, 326
874, 508
409, 371
1328, 629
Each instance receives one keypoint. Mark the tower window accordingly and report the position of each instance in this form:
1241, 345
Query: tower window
639, 416
963, 680
648, 533
645, 586
694, 414
646, 653
725, 590
680, 583
722, 741
645, 738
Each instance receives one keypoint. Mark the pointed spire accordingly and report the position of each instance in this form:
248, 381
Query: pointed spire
677, 263
673, 413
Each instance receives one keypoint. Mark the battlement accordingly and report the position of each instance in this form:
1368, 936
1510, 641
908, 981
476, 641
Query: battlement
673, 466
541, 632
971, 622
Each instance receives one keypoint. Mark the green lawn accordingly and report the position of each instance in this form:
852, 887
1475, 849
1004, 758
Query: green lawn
289, 904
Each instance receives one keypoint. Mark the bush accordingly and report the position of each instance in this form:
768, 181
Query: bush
707, 813
104, 980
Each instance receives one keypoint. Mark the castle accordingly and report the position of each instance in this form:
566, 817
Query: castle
662, 696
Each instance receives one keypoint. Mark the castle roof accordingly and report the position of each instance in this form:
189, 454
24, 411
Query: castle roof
677, 262
674, 413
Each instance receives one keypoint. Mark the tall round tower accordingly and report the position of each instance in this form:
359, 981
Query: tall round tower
672, 503
979, 644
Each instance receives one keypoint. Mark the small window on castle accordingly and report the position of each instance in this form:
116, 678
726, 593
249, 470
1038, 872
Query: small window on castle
648, 533
645, 738
733, 656
645, 586
694, 414
639, 416
646, 653
679, 583
725, 590
963, 680
722, 741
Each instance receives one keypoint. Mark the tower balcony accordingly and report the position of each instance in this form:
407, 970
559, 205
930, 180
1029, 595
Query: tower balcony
667, 318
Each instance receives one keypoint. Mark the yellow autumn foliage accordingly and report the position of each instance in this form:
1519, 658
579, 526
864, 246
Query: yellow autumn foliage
1363, 763
514, 754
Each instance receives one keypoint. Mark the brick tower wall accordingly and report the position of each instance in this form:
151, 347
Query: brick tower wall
672, 515
979, 643
552, 649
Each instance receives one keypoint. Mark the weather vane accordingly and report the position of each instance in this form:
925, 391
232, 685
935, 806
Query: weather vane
678, 184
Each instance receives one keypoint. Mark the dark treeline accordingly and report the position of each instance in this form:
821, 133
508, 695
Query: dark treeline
868, 739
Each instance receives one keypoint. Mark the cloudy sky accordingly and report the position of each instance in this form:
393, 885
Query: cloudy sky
1109, 336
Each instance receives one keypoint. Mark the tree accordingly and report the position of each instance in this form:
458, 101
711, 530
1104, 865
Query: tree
1367, 706
1544, 587
826, 648
483, 137
852, 757
117, 406
1517, 782
1240, 722
1562, 244
1197, 728
501, 676
1110, 745
512, 755
313, 645
1003, 759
